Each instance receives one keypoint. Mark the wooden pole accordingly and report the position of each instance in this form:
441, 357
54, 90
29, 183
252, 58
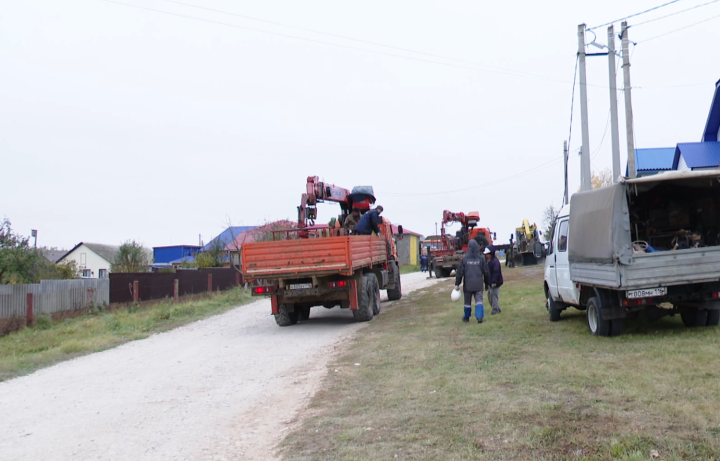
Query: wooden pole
209, 283
136, 294
29, 310
176, 289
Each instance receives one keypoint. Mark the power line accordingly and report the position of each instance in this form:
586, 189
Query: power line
681, 28
673, 14
572, 101
512, 73
636, 14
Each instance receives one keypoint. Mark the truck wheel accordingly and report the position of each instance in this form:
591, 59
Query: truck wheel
713, 318
554, 308
616, 327
366, 293
376, 298
284, 318
395, 293
446, 272
694, 317
438, 272
596, 325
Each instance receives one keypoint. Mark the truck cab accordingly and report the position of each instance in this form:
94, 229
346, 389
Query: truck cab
560, 290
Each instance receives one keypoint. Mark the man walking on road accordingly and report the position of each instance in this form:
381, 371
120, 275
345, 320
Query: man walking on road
496, 279
369, 222
474, 270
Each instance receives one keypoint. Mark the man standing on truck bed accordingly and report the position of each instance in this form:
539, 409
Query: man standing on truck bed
369, 222
352, 220
474, 270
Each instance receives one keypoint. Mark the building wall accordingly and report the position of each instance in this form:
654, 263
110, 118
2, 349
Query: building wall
408, 248
682, 165
86, 259
163, 255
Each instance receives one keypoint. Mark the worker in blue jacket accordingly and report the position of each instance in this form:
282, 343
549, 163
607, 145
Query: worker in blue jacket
496, 279
473, 270
369, 222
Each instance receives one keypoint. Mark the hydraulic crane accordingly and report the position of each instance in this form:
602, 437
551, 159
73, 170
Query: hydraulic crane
318, 191
447, 254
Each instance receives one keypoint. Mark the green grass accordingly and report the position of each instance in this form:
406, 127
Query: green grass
409, 268
516, 387
47, 342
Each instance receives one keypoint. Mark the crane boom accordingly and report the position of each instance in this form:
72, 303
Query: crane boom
317, 191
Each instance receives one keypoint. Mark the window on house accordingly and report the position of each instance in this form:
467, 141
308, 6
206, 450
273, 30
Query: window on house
102, 273
87, 273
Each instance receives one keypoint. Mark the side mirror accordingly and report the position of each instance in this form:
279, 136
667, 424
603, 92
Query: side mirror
494, 236
400, 229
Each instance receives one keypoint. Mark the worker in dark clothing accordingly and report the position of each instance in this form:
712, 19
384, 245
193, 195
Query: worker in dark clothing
496, 279
369, 222
352, 220
474, 270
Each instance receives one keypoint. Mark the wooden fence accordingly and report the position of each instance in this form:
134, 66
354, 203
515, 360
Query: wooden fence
50, 296
129, 287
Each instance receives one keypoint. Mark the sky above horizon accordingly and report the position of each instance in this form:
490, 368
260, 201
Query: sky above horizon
161, 122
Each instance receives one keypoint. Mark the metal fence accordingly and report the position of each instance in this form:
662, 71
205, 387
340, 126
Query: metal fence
158, 285
50, 296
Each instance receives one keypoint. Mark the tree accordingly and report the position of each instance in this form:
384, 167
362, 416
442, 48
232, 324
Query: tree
131, 257
549, 217
212, 257
602, 178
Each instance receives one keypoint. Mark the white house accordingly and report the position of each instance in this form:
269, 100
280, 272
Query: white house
92, 259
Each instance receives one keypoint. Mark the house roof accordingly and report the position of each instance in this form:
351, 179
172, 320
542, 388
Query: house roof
405, 231
179, 246
699, 154
255, 232
712, 126
227, 236
54, 256
107, 252
656, 158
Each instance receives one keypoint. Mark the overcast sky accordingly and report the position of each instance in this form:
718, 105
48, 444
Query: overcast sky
118, 122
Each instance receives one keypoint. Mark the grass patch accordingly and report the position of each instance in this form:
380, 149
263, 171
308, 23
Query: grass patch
516, 387
48, 343
409, 268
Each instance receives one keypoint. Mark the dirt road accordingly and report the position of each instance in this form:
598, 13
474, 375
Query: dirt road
225, 388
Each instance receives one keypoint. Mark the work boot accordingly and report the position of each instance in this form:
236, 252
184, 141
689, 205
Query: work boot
480, 320
465, 320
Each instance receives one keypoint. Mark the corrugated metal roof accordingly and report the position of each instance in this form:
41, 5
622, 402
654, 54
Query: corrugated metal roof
712, 126
700, 154
657, 158
227, 236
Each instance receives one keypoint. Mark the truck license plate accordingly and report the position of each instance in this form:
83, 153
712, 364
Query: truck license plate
300, 286
648, 293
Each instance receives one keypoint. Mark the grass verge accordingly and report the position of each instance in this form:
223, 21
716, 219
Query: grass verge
48, 343
516, 387
409, 268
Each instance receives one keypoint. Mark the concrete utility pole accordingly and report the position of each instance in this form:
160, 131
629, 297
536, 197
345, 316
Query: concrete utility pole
585, 180
565, 163
628, 101
614, 136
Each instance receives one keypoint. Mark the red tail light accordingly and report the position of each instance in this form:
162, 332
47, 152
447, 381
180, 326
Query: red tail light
264, 290
634, 302
716, 295
340, 284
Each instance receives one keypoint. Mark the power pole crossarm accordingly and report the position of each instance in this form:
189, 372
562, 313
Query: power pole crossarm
628, 102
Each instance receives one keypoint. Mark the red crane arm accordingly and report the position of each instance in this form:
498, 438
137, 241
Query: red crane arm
318, 191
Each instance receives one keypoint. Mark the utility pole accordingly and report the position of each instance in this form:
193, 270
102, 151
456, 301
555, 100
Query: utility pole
565, 163
628, 101
585, 180
614, 136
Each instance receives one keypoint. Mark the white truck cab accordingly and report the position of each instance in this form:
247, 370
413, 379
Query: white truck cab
560, 290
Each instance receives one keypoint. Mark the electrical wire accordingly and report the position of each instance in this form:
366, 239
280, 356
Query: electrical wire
572, 101
636, 14
673, 14
681, 28
512, 73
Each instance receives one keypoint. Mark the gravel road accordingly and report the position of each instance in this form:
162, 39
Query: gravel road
225, 388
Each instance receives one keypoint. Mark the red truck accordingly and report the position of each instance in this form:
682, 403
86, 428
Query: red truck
446, 251
324, 266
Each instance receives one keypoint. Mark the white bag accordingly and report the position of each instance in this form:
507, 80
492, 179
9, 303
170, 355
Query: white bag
455, 295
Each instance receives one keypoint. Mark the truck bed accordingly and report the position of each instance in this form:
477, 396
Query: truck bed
313, 256
646, 270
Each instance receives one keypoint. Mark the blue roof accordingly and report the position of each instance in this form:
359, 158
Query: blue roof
227, 236
712, 126
657, 158
700, 154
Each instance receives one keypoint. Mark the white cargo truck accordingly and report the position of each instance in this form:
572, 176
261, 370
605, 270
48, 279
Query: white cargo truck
641, 248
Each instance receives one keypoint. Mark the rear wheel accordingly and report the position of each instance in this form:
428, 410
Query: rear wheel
713, 318
376, 298
438, 271
395, 293
554, 308
284, 318
596, 324
365, 295
694, 317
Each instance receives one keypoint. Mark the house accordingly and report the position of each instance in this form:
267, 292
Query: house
254, 234
686, 156
165, 256
408, 247
53, 255
226, 237
93, 260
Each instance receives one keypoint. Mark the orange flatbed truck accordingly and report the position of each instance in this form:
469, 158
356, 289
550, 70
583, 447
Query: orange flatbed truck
323, 266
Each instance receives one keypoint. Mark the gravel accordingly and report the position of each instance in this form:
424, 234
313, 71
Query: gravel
225, 388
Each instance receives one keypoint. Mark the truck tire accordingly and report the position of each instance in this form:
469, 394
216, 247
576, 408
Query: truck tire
376, 298
694, 317
616, 327
303, 312
596, 324
438, 272
284, 318
554, 308
446, 272
713, 318
395, 293
365, 295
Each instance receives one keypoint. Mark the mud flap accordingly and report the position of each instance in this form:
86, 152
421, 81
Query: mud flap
274, 303
353, 295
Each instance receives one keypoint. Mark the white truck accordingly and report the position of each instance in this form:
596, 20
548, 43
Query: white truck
641, 248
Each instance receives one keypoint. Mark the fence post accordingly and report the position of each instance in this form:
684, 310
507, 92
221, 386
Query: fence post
29, 310
209, 283
136, 295
176, 289
237, 279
